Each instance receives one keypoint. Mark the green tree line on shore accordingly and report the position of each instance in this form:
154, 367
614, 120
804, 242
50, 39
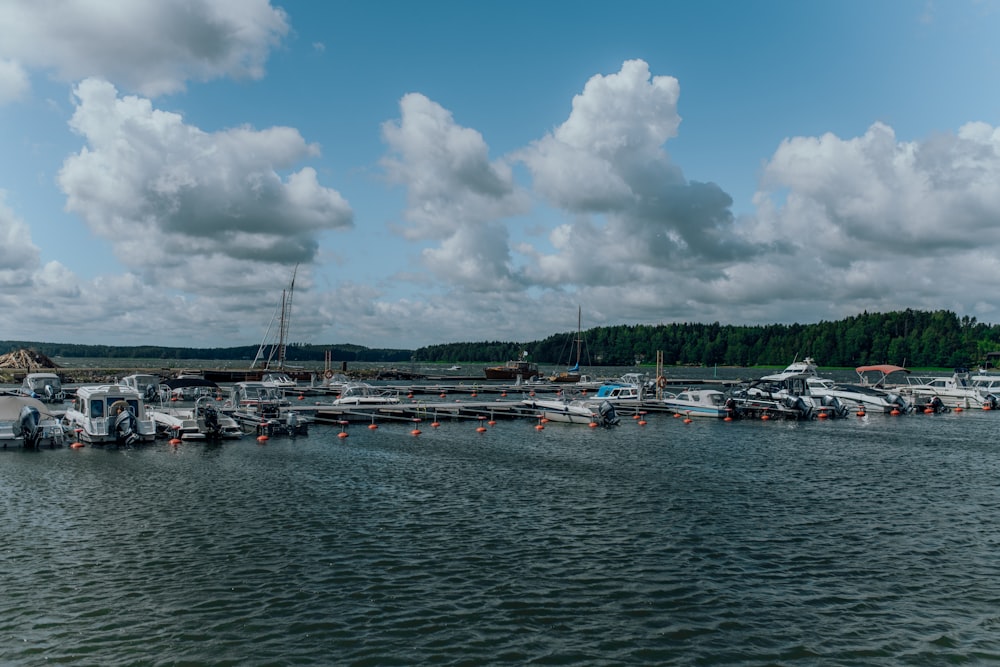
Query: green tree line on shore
910, 337
914, 338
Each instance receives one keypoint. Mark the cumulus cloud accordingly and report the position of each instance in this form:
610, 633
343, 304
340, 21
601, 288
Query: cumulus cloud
148, 47
873, 195
455, 193
170, 197
634, 210
19, 256
13, 81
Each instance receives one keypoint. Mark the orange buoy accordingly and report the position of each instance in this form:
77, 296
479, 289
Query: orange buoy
592, 424
764, 417
894, 412
261, 438
415, 431
727, 418
543, 420
76, 445
688, 420
442, 394
175, 441
435, 424
481, 429
373, 426
677, 415
301, 397
503, 394
492, 422
343, 434
641, 422
473, 395
539, 427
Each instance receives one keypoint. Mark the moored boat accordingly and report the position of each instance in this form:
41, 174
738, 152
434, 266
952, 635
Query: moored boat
27, 422
109, 415
202, 421
46, 387
699, 403
513, 370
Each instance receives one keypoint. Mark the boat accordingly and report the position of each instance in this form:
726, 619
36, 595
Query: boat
262, 409
279, 379
573, 373
46, 387
699, 403
574, 412
109, 414
190, 388
202, 421
362, 393
28, 422
276, 355
954, 391
866, 397
787, 394
629, 390
517, 369
146, 384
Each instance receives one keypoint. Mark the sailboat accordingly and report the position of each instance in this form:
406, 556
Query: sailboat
572, 374
276, 355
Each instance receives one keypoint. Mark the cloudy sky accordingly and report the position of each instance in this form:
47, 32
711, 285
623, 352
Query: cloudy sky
464, 171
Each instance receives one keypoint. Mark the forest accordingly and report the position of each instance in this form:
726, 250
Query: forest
938, 339
912, 338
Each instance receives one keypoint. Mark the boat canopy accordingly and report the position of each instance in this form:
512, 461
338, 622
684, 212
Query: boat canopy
882, 368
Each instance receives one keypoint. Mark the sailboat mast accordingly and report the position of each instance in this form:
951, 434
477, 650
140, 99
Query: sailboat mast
579, 335
286, 317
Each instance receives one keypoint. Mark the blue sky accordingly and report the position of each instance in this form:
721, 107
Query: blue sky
464, 171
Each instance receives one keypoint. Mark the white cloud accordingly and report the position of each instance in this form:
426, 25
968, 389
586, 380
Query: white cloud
178, 203
148, 47
13, 81
19, 256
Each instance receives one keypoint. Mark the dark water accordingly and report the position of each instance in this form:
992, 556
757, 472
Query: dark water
861, 541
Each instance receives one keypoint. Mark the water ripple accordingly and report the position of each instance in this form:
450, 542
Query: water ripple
856, 542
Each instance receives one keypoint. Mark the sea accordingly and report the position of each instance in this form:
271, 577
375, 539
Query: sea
859, 541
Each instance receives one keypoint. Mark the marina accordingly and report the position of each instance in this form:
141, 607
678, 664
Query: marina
851, 541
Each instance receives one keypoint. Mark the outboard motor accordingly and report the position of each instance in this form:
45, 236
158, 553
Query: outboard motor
292, 423
50, 393
151, 392
28, 420
936, 404
212, 420
125, 428
609, 417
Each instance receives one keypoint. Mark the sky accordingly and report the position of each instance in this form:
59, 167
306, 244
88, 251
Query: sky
451, 171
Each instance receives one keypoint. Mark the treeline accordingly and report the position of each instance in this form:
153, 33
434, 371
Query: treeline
297, 352
912, 338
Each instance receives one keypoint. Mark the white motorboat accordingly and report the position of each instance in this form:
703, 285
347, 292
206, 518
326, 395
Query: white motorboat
955, 391
262, 409
791, 390
279, 380
146, 384
580, 411
27, 422
866, 398
568, 412
362, 393
109, 415
202, 421
46, 387
699, 403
